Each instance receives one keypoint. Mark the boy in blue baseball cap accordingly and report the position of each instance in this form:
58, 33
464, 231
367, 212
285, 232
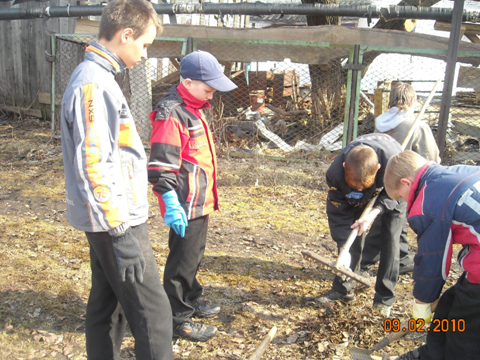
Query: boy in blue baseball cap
183, 172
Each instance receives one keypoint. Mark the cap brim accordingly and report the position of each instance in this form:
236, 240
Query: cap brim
222, 83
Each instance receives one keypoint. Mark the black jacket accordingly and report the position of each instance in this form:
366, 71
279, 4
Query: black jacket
344, 204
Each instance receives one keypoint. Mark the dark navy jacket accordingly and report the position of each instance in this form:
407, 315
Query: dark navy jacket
343, 201
443, 209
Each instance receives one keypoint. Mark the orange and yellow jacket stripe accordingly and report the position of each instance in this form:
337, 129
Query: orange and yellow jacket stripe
182, 154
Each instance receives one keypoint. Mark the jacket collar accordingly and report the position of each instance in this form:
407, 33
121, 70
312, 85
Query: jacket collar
104, 57
416, 186
190, 100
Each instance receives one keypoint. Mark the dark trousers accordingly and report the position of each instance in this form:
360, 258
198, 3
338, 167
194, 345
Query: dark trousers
459, 303
111, 303
180, 276
371, 251
388, 227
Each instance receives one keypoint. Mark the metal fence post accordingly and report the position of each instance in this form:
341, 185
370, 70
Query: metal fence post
353, 94
52, 105
449, 74
189, 45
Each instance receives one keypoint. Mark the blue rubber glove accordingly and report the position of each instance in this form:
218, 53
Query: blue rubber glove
130, 260
174, 214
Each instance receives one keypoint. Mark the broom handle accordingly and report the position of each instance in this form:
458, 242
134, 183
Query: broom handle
351, 238
419, 115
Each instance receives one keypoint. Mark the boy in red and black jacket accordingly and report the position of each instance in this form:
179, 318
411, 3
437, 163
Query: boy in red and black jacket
183, 169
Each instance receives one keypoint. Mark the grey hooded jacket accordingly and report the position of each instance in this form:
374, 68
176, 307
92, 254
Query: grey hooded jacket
397, 124
104, 159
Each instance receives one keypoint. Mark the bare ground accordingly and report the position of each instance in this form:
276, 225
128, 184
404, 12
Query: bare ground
253, 268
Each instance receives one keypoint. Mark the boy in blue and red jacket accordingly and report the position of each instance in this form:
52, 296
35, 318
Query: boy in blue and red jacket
443, 209
183, 171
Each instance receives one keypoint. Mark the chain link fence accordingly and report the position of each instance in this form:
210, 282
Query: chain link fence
291, 96
463, 130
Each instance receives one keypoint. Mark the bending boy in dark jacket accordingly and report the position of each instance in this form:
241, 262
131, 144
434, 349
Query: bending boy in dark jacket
355, 176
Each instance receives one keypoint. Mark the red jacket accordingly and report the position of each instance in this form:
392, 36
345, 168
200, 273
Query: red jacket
182, 154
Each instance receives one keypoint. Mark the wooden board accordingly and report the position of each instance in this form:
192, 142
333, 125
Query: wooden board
17, 110
444, 26
278, 90
46, 98
23, 64
331, 34
467, 28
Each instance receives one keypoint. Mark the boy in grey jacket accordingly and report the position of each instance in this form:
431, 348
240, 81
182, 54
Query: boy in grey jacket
398, 120
106, 189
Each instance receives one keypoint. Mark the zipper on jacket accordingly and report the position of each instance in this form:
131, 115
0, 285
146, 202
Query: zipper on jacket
194, 191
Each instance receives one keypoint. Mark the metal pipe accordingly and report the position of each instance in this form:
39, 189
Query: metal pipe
455, 36
52, 105
357, 95
258, 8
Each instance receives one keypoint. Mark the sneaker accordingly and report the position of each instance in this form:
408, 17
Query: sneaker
204, 310
411, 355
332, 295
382, 309
192, 331
406, 269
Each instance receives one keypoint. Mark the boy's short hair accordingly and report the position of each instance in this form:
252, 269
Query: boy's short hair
361, 165
137, 15
402, 165
401, 95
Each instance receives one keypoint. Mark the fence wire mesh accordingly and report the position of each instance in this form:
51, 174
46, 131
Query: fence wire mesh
291, 97
463, 129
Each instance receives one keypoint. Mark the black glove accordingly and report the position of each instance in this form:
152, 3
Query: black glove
129, 256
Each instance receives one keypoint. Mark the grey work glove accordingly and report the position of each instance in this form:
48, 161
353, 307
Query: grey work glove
130, 260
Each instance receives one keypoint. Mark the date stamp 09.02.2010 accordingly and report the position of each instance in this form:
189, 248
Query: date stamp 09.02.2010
417, 325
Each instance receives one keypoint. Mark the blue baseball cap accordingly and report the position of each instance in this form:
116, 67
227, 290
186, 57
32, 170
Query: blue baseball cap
203, 66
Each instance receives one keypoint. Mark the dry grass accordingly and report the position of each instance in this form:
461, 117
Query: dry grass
270, 211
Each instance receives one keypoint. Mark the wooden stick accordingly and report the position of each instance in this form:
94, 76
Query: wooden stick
348, 244
264, 344
419, 116
340, 269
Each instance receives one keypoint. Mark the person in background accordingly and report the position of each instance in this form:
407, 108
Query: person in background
397, 122
355, 177
183, 172
106, 188
443, 209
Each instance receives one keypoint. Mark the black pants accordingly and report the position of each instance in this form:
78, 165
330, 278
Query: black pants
111, 303
371, 251
460, 303
388, 227
180, 277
